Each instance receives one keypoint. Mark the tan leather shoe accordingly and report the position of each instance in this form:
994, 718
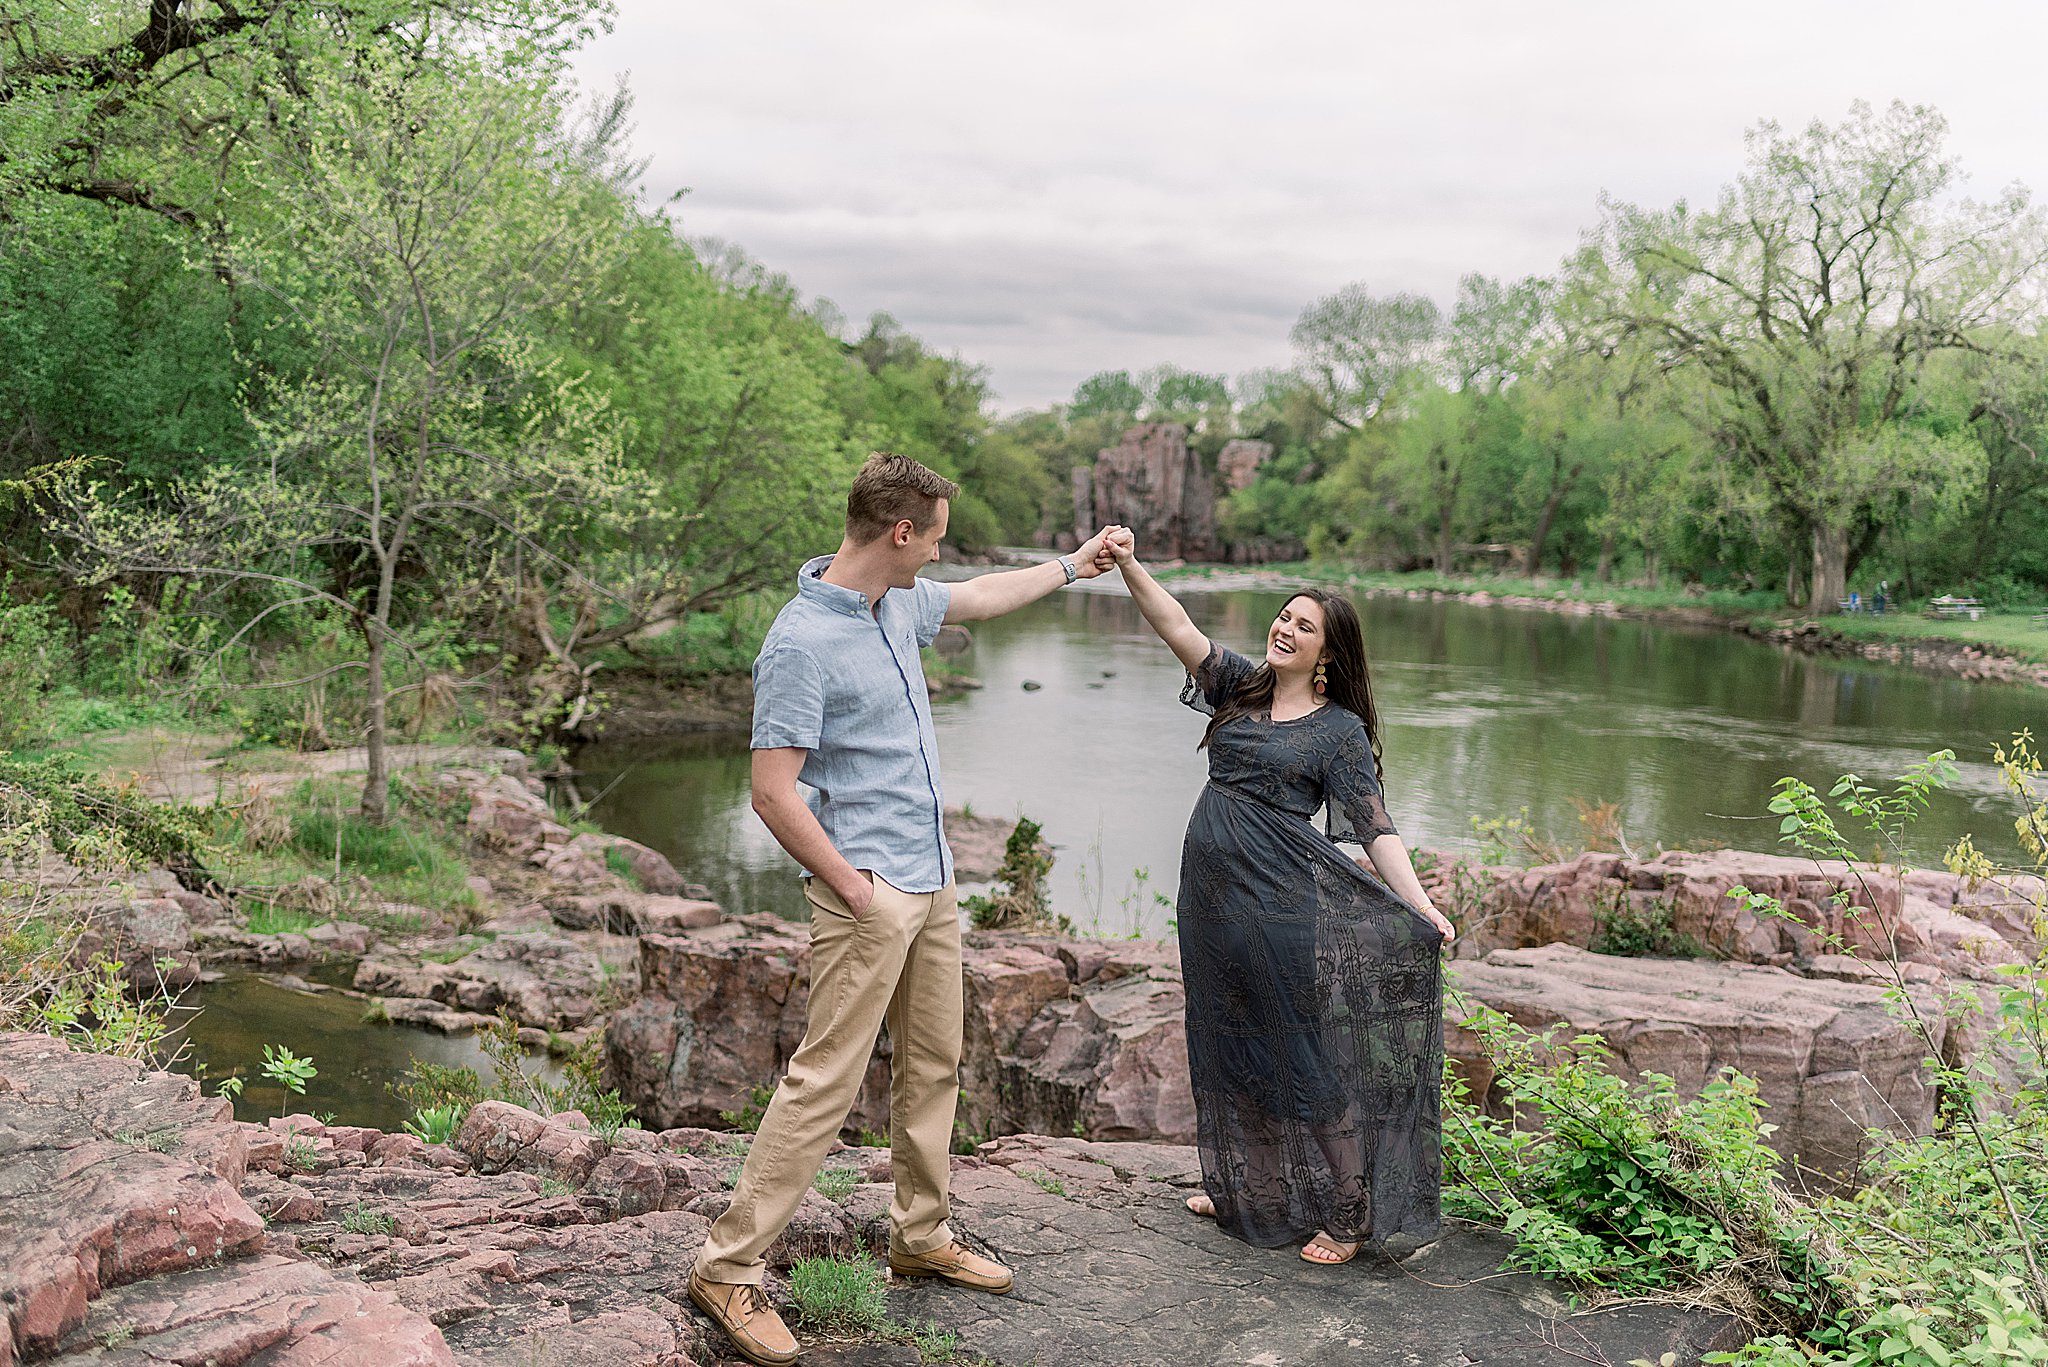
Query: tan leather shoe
958, 1264
743, 1311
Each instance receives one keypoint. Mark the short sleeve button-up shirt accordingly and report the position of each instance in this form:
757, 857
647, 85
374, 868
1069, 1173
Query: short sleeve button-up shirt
840, 676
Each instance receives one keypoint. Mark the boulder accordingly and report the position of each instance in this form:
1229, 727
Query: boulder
542, 979
1829, 1057
1923, 916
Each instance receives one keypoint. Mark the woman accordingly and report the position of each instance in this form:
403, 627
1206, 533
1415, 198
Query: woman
1314, 997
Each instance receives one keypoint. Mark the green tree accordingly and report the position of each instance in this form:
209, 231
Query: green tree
1811, 298
434, 462
1111, 394
1355, 350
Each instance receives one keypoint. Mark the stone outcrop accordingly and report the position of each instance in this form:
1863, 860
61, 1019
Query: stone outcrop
382, 1251
1240, 460
1087, 1036
1153, 483
1059, 1033
543, 980
1829, 1058
1928, 917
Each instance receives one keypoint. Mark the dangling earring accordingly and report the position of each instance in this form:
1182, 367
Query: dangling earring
1322, 677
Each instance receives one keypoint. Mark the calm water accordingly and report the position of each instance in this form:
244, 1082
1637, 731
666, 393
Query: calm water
1486, 710
245, 1011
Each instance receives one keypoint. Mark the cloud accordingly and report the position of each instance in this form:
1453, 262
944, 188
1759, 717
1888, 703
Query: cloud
1058, 188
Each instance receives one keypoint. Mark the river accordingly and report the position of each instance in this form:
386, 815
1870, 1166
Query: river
1486, 710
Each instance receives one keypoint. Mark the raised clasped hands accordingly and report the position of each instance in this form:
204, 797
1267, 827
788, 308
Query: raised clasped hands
1093, 557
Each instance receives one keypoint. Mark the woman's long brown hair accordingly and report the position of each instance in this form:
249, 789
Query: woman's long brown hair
1347, 681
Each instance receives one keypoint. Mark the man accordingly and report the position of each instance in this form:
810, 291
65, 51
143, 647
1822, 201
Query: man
840, 703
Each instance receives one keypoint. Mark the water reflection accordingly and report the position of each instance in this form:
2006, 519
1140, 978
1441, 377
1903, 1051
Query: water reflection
1487, 709
245, 1011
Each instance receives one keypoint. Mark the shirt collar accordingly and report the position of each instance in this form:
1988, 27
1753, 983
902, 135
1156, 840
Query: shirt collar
832, 597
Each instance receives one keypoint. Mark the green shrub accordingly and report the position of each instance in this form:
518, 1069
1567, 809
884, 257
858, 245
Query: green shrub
30, 644
1641, 931
839, 1295
836, 1184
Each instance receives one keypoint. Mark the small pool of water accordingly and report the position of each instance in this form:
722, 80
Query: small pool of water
358, 1062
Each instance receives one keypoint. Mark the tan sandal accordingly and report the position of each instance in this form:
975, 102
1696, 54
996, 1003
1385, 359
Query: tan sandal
1343, 1252
1201, 1205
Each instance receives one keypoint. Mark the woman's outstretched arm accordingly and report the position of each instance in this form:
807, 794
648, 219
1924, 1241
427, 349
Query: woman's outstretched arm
1167, 616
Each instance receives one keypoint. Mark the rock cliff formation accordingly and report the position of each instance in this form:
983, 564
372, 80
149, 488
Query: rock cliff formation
1153, 483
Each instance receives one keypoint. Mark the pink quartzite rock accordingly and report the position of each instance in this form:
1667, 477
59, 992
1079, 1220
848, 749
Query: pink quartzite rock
290, 1312
1926, 916
94, 1190
1828, 1057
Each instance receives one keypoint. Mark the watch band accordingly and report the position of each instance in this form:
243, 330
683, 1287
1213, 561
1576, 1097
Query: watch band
1067, 564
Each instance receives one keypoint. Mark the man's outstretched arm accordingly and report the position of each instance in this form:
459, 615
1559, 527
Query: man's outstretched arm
992, 595
795, 826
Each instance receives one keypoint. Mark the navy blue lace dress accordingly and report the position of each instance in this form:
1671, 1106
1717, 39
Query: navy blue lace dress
1314, 994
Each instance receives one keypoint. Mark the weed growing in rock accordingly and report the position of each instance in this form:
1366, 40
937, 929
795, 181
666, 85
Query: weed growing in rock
435, 1124
1045, 1181
299, 1155
556, 1186
1020, 900
1641, 930
836, 1184
839, 1295
288, 1071
621, 863
430, 1086
747, 1118
360, 1219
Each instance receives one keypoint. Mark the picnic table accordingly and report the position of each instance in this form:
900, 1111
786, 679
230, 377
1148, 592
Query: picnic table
1946, 606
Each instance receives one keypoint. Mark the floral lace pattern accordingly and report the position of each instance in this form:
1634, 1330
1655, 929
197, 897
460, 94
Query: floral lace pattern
1314, 994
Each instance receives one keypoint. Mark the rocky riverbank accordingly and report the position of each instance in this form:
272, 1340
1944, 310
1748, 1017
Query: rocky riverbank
1086, 1037
1969, 660
142, 1225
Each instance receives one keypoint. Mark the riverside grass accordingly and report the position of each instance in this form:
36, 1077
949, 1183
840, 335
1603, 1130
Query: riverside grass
2013, 631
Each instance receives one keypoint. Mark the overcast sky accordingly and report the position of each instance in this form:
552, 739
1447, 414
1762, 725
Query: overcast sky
1052, 188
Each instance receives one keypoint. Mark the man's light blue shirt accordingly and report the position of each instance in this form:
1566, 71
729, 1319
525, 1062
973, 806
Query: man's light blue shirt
843, 681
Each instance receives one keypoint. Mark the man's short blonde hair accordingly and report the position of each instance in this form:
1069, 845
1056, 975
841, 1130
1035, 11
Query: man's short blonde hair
890, 489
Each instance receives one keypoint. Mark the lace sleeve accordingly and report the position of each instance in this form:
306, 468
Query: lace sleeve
1215, 679
1355, 813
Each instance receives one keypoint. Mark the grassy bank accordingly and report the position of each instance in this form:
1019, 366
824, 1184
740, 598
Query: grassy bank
2013, 632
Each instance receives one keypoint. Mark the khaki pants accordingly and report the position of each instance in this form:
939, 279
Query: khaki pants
898, 961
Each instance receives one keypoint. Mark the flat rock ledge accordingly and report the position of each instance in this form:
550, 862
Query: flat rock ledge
139, 1224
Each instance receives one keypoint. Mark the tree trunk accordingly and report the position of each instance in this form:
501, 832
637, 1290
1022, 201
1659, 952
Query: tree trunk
1653, 570
1561, 483
376, 804
1830, 568
1795, 582
1604, 572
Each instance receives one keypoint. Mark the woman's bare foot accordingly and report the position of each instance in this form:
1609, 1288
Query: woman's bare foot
1328, 1251
1202, 1206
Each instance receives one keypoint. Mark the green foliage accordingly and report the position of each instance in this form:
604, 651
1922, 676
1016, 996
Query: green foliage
1627, 1187
444, 1088
839, 1295
28, 659
1641, 930
436, 1124
88, 819
1021, 898
288, 1070
747, 1117
836, 1184
360, 1219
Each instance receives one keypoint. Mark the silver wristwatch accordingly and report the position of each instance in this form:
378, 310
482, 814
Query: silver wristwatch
1067, 565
